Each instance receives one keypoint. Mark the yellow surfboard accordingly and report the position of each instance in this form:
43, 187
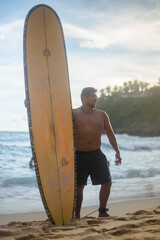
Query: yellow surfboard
49, 112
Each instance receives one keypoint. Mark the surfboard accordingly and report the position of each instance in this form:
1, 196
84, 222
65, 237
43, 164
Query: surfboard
50, 112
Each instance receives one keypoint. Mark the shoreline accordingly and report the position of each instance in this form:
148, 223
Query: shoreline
144, 134
132, 219
138, 133
120, 208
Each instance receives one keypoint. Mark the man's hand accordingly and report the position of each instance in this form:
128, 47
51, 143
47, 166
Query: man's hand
26, 103
118, 160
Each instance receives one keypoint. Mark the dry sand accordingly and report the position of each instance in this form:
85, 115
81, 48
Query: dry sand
136, 219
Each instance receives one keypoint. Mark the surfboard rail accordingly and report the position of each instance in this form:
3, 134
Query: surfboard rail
49, 106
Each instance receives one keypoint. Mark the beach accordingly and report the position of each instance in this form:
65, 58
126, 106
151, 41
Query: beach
132, 219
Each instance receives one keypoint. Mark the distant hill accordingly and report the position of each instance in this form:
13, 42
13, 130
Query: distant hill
134, 113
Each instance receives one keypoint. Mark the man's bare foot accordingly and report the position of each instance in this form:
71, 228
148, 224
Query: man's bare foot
101, 215
103, 212
76, 218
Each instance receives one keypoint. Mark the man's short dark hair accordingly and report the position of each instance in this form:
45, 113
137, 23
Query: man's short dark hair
87, 91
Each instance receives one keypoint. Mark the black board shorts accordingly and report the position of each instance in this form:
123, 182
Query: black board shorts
93, 163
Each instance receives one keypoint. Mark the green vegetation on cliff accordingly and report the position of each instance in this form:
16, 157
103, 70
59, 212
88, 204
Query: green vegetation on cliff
133, 108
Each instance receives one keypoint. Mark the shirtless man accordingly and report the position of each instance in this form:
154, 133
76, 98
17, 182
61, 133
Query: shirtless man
90, 122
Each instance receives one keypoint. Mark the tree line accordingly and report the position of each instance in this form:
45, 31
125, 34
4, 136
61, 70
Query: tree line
133, 108
130, 88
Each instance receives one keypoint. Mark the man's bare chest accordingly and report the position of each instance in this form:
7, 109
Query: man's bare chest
89, 121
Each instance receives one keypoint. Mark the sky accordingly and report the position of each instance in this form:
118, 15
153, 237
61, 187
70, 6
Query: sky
108, 42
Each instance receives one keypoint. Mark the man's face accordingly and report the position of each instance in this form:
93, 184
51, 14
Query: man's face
92, 99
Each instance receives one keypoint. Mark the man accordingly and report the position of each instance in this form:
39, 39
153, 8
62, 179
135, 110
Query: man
90, 123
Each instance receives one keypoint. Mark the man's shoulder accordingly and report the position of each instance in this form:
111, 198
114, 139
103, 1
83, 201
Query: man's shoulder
100, 111
76, 109
103, 114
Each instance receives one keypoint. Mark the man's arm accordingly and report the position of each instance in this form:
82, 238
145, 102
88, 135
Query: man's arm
112, 138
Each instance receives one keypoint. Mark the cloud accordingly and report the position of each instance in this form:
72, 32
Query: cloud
89, 39
11, 34
11, 81
11, 61
128, 38
14, 122
131, 29
138, 33
18, 118
2, 36
99, 72
8, 27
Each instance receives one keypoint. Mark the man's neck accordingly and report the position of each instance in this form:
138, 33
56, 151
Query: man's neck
87, 109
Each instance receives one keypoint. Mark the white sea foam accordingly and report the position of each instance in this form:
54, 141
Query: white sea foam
138, 176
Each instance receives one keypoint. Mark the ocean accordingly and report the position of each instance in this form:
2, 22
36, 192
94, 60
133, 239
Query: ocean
137, 177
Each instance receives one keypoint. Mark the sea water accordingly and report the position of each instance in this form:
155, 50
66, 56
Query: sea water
137, 177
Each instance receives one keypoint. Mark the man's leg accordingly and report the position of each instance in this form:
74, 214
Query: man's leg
103, 197
79, 201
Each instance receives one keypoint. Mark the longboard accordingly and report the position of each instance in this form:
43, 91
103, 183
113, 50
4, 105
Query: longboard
50, 112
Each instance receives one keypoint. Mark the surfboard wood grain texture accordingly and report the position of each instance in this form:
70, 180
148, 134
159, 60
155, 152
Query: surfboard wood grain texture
49, 112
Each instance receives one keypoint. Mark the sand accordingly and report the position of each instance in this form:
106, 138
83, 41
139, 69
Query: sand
136, 219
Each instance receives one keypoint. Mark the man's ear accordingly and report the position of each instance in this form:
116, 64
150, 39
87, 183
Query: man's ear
84, 99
